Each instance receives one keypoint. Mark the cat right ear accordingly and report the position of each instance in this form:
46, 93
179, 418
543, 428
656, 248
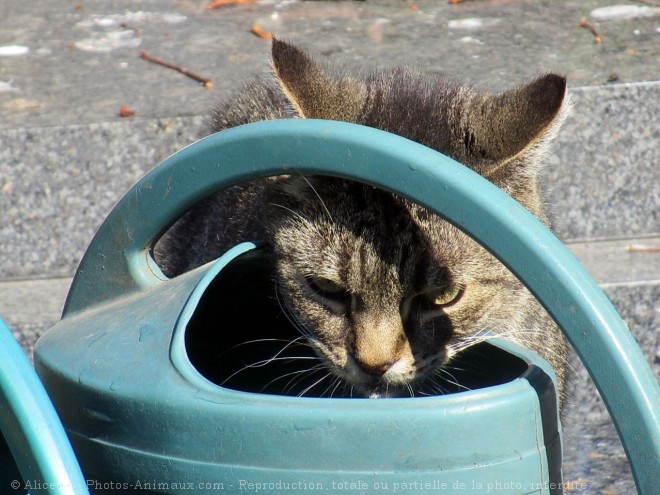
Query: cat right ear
503, 128
312, 92
507, 135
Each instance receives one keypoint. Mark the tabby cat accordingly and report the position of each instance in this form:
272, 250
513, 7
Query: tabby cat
384, 291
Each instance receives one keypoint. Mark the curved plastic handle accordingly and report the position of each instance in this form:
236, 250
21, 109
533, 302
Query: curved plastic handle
32, 428
118, 261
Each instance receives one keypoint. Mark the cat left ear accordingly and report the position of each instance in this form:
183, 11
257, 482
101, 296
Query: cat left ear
502, 128
312, 92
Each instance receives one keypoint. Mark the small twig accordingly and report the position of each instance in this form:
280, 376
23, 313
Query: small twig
204, 80
221, 3
597, 37
640, 248
261, 32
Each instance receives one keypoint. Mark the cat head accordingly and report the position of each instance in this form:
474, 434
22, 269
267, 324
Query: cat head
387, 292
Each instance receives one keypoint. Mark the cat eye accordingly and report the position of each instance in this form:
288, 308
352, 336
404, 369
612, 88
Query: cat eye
333, 294
325, 286
443, 298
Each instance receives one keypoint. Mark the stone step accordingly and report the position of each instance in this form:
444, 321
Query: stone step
77, 64
627, 270
603, 179
59, 183
620, 262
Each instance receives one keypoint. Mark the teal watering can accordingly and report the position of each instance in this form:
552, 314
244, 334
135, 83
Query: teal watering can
129, 377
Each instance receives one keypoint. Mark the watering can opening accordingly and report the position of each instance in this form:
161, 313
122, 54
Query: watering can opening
240, 337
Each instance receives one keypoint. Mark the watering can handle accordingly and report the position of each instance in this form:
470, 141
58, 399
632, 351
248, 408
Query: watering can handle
32, 428
118, 262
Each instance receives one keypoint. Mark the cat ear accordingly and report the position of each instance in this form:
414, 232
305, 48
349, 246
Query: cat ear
312, 92
503, 128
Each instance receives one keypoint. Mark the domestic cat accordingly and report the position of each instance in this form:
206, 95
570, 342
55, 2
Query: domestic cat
385, 292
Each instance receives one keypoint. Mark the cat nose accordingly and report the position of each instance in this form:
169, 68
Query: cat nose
375, 368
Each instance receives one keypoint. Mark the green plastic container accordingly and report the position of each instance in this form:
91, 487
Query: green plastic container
138, 403
35, 453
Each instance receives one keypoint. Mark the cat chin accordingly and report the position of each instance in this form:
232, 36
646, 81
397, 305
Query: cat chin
381, 389
394, 384
385, 389
362, 386
377, 395
381, 393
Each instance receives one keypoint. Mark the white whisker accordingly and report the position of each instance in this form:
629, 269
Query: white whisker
296, 375
289, 343
294, 213
291, 317
302, 375
334, 383
410, 390
318, 196
338, 382
276, 357
301, 394
446, 376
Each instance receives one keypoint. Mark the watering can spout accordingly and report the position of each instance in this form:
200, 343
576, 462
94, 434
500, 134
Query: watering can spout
142, 318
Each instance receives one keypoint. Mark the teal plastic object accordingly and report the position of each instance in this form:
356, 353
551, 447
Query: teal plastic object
140, 421
32, 430
120, 297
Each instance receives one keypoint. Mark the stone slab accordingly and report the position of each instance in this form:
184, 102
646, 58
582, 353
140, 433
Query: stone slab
604, 175
30, 307
621, 261
58, 183
79, 60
